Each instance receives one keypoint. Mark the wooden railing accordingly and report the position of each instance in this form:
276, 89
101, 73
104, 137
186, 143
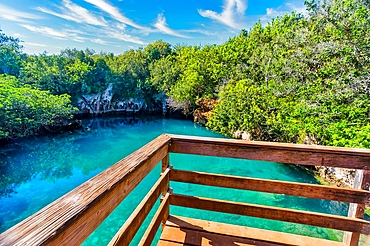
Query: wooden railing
73, 217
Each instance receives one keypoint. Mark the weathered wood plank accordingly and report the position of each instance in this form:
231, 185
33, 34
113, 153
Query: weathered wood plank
165, 162
194, 237
267, 212
127, 232
272, 186
71, 219
150, 232
276, 152
362, 182
201, 232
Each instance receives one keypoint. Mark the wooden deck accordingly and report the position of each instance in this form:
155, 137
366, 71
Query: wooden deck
187, 231
73, 217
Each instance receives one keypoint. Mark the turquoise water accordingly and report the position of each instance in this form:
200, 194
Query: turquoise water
36, 171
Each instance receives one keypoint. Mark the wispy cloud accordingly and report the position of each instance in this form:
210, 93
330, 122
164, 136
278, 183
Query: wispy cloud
232, 11
36, 44
11, 14
297, 6
162, 26
114, 12
201, 31
124, 37
57, 34
281, 10
18, 35
76, 13
98, 41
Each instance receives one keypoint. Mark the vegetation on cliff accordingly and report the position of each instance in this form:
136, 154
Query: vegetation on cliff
300, 79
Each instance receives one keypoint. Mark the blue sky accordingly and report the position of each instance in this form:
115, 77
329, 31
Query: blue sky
119, 25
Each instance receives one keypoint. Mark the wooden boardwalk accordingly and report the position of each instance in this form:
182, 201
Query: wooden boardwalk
73, 217
186, 231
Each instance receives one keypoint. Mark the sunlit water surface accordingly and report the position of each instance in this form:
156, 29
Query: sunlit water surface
36, 171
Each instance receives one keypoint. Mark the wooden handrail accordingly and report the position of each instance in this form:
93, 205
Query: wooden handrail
283, 214
162, 211
276, 152
131, 226
273, 186
72, 218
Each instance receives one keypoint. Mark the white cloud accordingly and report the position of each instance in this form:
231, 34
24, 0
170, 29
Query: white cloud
18, 35
233, 10
124, 37
36, 44
162, 26
49, 32
15, 15
287, 7
121, 26
114, 12
76, 13
201, 31
298, 7
98, 41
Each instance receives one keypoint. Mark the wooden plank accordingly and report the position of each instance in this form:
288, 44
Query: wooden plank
150, 232
267, 212
165, 162
127, 232
362, 181
272, 186
71, 219
195, 237
276, 152
201, 232
169, 243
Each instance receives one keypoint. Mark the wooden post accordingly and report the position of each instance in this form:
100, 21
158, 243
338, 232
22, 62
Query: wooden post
165, 162
165, 165
362, 181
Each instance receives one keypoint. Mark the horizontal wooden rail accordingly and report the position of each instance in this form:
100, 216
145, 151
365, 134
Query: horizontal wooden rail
193, 232
71, 219
273, 186
267, 212
150, 232
127, 232
276, 152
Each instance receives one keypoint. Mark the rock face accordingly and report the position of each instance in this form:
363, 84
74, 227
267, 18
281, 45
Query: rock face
104, 102
337, 176
203, 111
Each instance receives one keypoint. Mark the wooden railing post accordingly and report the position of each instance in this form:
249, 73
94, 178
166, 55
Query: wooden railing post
362, 181
165, 162
165, 165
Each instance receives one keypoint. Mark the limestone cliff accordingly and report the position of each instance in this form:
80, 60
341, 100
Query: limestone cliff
106, 102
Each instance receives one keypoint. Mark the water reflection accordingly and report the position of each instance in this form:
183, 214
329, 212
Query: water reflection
38, 170
53, 157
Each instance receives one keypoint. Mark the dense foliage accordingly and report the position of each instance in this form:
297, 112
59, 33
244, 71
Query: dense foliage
307, 79
301, 79
298, 79
24, 110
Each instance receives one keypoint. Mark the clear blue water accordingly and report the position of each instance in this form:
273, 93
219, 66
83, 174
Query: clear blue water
36, 171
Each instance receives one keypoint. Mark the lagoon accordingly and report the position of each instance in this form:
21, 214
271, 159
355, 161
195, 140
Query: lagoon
36, 171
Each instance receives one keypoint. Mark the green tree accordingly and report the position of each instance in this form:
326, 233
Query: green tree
23, 110
10, 55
